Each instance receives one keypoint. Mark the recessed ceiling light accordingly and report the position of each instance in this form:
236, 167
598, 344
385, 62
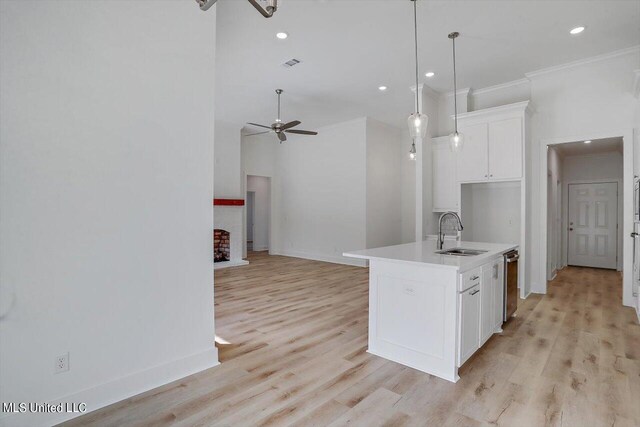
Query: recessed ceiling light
588, 141
282, 36
430, 74
576, 30
382, 88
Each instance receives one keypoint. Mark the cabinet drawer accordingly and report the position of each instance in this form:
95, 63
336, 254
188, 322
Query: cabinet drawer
469, 279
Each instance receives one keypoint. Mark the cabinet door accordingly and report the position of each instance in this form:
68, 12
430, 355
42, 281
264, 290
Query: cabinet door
445, 196
505, 149
469, 323
487, 306
472, 160
498, 289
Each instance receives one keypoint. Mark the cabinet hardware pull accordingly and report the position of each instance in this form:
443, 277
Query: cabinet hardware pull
475, 277
475, 292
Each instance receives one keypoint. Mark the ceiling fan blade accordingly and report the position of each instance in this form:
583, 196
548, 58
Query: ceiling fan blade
257, 133
260, 126
290, 124
281, 136
302, 132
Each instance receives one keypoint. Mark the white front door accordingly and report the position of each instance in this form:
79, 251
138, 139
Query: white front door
593, 219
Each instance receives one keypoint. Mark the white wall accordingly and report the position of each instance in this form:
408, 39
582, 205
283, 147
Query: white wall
106, 181
323, 192
383, 169
593, 168
589, 99
259, 156
228, 178
334, 192
261, 186
491, 212
407, 190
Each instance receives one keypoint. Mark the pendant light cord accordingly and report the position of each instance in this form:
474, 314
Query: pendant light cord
455, 89
415, 26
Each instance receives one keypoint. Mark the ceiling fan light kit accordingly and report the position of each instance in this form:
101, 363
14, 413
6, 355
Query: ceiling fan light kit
279, 128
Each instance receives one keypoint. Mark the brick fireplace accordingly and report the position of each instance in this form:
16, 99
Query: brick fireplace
221, 245
227, 233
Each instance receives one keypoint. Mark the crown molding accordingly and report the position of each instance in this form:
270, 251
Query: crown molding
636, 83
523, 106
500, 86
464, 92
431, 92
585, 61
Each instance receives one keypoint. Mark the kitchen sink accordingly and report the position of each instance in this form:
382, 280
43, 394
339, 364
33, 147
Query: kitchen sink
461, 252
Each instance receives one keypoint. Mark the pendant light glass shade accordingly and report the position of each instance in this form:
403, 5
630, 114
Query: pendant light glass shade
456, 141
418, 123
412, 151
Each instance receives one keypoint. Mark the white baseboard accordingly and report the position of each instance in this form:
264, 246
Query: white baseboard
324, 258
232, 263
122, 388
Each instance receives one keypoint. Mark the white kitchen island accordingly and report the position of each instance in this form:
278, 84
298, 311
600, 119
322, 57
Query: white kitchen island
431, 311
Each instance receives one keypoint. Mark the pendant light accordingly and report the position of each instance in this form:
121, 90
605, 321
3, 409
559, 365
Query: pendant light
456, 139
417, 122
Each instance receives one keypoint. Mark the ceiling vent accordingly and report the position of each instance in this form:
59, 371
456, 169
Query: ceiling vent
290, 63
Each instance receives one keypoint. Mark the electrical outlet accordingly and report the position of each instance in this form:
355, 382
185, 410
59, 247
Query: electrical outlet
61, 363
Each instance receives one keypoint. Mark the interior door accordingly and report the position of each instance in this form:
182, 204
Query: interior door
593, 219
471, 161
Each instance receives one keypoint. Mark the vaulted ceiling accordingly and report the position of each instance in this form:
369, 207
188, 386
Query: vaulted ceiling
350, 47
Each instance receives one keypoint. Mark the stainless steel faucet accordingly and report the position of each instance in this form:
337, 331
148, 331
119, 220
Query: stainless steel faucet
440, 233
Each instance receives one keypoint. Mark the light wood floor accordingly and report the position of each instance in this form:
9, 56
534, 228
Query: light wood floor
297, 334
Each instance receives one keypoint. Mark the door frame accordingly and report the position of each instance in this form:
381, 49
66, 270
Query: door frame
627, 206
246, 223
618, 182
270, 222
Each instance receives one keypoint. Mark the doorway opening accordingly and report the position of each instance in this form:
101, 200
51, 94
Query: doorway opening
258, 213
586, 202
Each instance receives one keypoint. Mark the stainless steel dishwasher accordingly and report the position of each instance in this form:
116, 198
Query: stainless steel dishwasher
510, 284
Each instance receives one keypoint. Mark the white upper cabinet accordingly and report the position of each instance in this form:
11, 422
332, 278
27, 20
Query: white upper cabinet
505, 149
494, 141
472, 160
445, 193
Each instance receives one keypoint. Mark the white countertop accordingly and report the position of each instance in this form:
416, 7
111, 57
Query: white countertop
425, 253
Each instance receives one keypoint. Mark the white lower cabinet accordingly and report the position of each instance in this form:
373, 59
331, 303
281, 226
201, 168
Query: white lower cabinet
469, 330
487, 304
480, 307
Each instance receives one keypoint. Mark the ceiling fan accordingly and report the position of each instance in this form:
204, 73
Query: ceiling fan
281, 128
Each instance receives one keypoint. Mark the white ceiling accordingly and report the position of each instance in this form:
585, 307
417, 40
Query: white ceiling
350, 47
597, 146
